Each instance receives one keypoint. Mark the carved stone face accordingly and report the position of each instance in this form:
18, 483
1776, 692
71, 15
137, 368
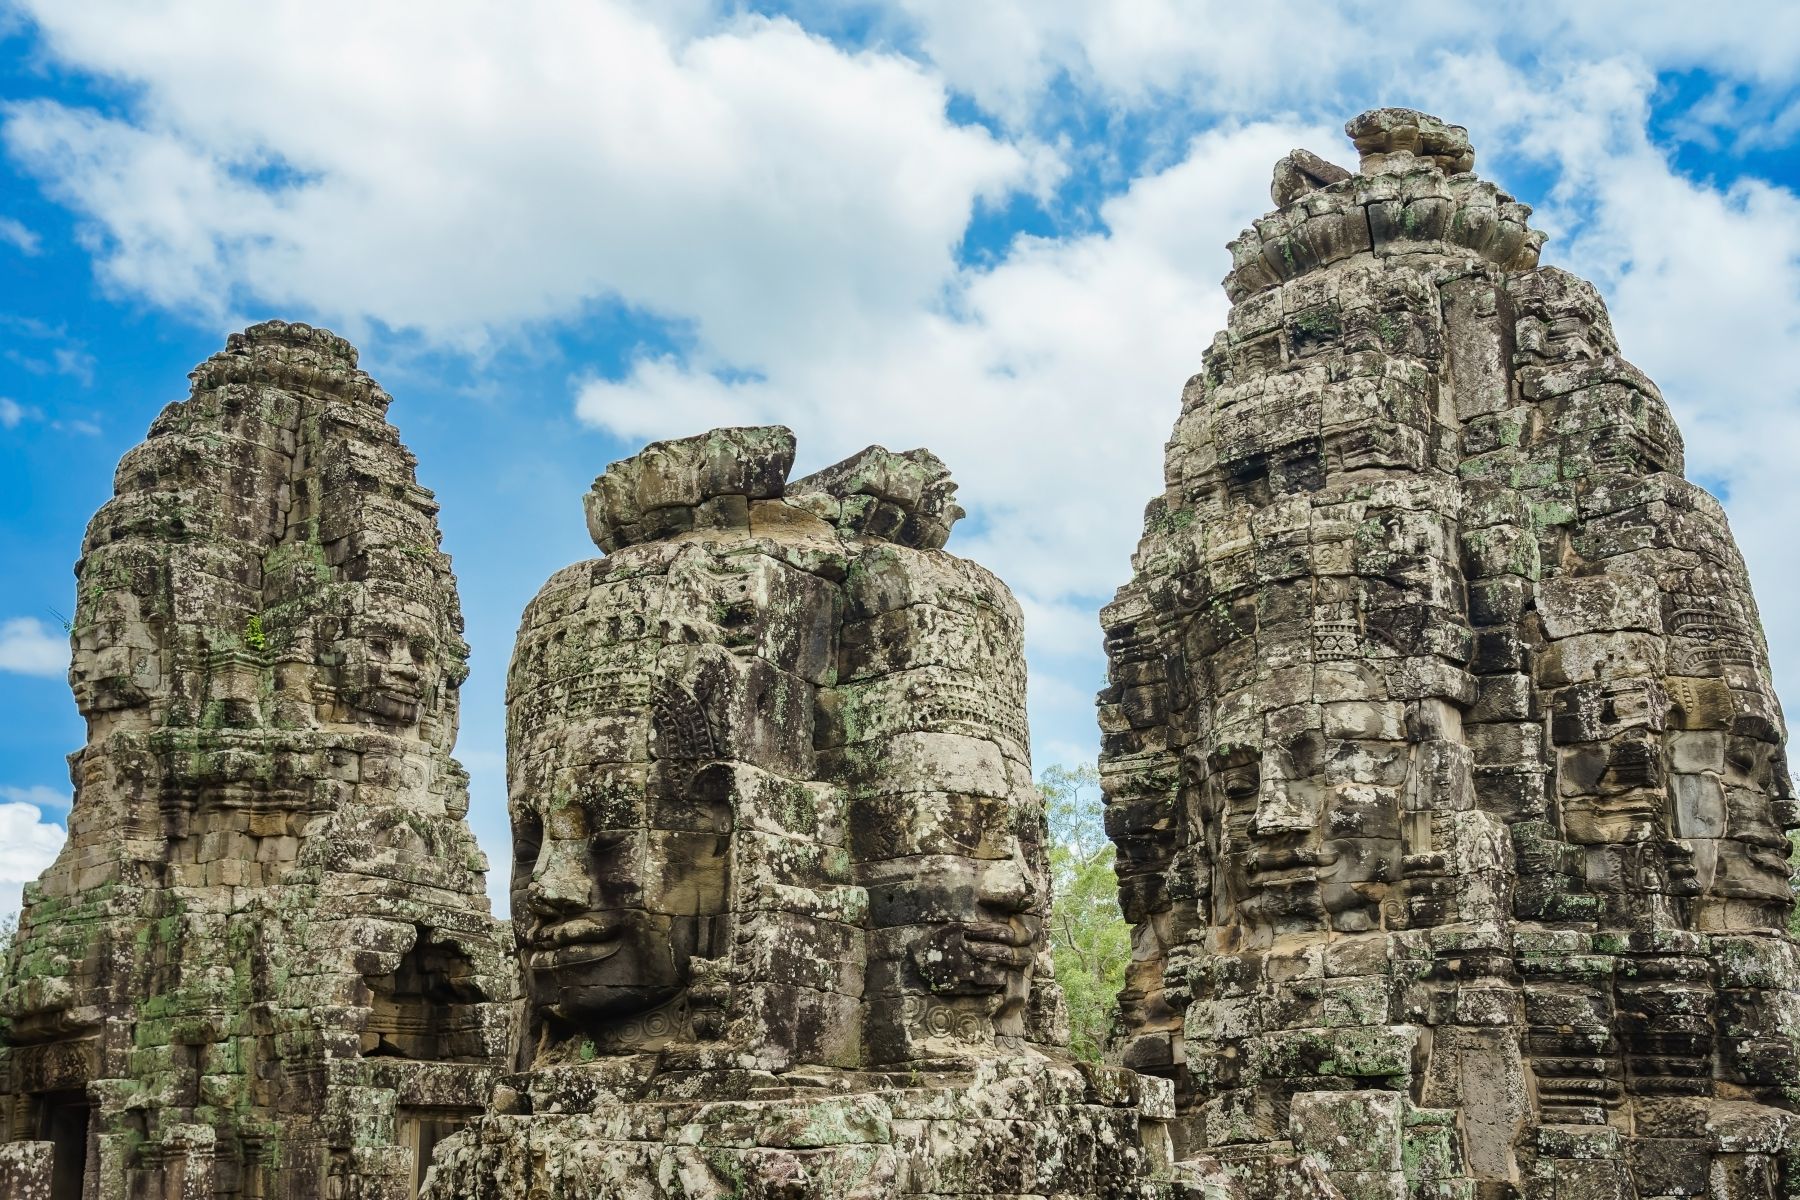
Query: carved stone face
990, 922
388, 669
962, 880
1752, 860
1250, 889
1299, 853
609, 915
107, 666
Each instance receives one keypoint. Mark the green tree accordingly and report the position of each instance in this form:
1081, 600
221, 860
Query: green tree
1794, 857
1088, 936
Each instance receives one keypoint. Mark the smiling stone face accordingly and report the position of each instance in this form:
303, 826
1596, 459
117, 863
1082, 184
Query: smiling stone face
609, 917
768, 771
388, 668
621, 836
1300, 842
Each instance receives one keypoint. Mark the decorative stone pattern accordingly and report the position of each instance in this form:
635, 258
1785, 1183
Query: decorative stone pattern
780, 875
1439, 743
264, 964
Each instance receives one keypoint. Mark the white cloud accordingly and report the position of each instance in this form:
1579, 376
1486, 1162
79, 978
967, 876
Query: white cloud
28, 843
460, 167
37, 795
27, 647
1219, 56
11, 413
16, 235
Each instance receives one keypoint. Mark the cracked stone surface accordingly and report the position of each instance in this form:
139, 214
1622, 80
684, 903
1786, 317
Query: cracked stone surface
780, 877
1440, 748
264, 963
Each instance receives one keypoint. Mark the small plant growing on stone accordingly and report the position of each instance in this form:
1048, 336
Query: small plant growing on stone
254, 637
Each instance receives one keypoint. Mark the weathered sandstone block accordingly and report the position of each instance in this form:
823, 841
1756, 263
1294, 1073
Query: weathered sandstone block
263, 965
1439, 747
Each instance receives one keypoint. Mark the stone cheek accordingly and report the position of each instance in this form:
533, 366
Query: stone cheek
1439, 743
265, 958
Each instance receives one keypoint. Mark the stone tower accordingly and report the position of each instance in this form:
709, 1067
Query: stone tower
1440, 748
264, 964
780, 878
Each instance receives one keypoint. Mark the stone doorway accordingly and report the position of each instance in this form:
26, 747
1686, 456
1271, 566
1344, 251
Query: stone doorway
62, 1120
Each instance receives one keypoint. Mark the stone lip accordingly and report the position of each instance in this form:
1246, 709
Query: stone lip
710, 481
1413, 194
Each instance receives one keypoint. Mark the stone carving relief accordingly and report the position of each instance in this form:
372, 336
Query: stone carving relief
1440, 748
267, 941
777, 844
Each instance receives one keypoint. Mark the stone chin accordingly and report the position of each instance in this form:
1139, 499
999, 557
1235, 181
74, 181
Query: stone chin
1279, 888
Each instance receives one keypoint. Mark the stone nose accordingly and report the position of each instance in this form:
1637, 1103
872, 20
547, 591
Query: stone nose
1007, 886
1281, 810
559, 886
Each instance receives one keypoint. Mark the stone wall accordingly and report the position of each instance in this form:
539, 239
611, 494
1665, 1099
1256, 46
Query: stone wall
1439, 744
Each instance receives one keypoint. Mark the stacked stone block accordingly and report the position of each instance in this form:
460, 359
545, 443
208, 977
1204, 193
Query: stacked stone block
1440, 748
263, 964
781, 878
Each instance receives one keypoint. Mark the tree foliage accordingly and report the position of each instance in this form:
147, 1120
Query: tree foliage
1794, 858
1088, 936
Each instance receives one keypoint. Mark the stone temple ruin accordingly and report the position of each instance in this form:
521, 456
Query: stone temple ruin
780, 881
263, 964
1439, 749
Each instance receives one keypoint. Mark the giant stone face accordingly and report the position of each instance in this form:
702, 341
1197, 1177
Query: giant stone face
1440, 743
775, 712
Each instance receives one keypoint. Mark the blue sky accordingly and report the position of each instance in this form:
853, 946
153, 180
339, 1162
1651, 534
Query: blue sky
560, 228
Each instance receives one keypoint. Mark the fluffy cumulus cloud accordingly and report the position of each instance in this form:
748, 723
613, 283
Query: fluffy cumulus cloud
797, 204
462, 168
28, 647
28, 843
